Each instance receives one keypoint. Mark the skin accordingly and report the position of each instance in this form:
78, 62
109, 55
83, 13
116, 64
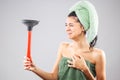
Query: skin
78, 50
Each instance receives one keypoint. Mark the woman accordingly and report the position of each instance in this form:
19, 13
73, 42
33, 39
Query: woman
78, 60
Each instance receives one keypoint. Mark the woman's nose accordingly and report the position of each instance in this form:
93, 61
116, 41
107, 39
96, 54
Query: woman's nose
67, 28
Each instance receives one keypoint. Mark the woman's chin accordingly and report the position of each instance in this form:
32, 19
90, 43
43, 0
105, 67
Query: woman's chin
70, 37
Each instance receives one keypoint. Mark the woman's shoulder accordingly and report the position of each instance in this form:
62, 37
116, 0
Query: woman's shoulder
64, 44
100, 54
63, 47
99, 51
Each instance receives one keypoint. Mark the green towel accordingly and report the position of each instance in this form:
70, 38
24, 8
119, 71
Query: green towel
88, 17
67, 73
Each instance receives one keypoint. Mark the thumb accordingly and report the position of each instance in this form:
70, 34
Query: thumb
77, 55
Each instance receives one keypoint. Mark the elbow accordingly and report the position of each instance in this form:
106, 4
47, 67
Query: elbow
54, 76
101, 78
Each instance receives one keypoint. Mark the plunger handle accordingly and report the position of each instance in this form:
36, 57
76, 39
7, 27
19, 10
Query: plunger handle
29, 24
29, 46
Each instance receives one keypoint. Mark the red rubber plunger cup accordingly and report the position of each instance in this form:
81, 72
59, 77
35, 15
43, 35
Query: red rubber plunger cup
30, 24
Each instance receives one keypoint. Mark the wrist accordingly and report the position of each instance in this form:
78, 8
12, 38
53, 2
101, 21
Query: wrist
33, 69
85, 69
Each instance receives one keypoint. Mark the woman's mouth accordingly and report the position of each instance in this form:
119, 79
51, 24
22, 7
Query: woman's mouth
69, 33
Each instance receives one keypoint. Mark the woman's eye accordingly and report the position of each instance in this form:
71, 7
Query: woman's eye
71, 25
66, 25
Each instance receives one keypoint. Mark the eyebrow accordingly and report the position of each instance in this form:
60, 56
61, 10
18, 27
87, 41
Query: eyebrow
69, 23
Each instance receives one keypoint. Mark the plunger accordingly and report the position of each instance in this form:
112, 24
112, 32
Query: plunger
30, 24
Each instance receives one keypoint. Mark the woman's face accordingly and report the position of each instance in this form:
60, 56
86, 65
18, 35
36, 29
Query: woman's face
73, 27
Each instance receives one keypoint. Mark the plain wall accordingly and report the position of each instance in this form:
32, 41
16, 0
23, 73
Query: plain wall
49, 33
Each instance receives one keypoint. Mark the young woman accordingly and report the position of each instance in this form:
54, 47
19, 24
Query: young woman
78, 60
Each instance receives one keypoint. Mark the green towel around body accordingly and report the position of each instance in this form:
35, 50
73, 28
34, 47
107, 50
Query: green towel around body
67, 73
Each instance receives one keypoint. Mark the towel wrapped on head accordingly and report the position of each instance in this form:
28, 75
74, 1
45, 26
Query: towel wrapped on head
88, 17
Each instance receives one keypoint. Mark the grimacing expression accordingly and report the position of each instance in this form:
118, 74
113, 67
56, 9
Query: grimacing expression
73, 27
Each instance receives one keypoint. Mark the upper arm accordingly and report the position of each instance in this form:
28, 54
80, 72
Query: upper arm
59, 56
101, 66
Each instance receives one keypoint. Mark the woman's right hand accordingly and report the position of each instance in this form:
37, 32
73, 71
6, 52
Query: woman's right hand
28, 64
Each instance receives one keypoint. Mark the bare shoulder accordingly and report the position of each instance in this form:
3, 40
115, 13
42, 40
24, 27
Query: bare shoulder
63, 47
99, 51
100, 55
64, 44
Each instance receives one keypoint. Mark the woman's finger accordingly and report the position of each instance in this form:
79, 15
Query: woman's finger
77, 55
27, 63
69, 62
27, 68
73, 58
69, 65
26, 58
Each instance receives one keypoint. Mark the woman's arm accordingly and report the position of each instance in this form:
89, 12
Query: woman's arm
44, 75
88, 74
79, 63
101, 66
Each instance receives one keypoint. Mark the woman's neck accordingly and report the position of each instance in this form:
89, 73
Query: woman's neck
81, 43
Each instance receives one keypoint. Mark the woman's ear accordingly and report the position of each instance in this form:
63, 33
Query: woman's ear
83, 29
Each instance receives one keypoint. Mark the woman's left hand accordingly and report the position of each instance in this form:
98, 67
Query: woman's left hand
77, 62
